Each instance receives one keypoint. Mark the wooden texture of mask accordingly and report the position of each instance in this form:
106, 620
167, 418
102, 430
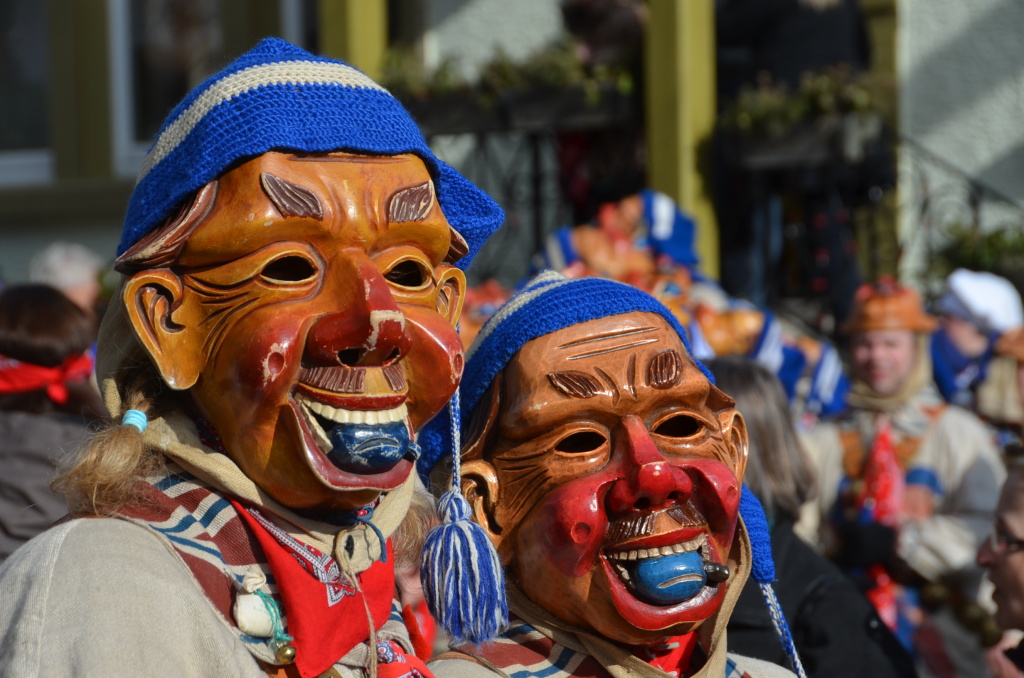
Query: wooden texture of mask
285, 288
549, 502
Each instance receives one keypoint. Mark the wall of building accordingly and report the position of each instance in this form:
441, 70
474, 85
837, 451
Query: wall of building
961, 77
471, 31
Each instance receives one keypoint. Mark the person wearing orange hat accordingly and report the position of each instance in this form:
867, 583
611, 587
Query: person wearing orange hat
908, 486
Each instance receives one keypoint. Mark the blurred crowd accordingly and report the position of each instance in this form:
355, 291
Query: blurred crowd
879, 462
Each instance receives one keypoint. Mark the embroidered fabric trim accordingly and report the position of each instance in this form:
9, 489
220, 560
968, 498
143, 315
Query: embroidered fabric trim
321, 566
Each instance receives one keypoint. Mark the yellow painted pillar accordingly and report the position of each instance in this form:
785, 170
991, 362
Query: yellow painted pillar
679, 60
355, 31
79, 89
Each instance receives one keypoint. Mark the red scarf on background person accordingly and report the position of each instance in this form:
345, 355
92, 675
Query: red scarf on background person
19, 377
881, 501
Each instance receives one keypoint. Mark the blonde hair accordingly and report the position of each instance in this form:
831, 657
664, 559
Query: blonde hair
820, 5
411, 534
103, 475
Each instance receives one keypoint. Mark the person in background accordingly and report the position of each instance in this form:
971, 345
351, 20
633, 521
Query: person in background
974, 311
1002, 554
46, 404
71, 268
908, 485
973, 355
836, 630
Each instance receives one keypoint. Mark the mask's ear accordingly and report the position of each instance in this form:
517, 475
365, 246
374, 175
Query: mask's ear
734, 430
451, 292
479, 478
152, 299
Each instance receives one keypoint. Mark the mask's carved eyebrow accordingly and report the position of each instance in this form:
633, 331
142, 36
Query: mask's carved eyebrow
411, 204
414, 204
291, 200
630, 334
575, 384
665, 369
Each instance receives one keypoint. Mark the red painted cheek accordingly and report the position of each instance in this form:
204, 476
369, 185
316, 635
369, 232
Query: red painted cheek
434, 364
716, 492
573, 524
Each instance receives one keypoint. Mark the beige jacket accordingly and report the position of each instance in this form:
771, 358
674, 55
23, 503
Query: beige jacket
957, 449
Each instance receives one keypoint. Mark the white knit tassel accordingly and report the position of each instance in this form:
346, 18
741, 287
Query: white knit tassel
781, 627
462, 577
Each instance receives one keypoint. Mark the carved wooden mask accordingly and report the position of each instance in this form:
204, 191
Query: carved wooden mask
607, 470
310, 307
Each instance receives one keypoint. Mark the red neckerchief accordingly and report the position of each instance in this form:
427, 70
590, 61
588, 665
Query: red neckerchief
671, 655
882, 484
19, 377
325, 614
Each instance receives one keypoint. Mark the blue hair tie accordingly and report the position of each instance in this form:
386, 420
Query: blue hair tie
136, 418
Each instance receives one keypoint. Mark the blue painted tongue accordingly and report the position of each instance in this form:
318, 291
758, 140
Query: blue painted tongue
370, 448
669, 580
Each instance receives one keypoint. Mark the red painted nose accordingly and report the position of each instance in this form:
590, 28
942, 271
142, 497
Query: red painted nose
369, 332
649, 482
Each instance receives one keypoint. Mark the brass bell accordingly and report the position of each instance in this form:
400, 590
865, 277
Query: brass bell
285, 653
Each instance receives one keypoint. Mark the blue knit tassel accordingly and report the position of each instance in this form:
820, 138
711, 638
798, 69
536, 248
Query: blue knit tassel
762, 570
462, 578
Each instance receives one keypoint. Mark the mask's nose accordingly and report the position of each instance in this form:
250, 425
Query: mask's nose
650, 482
369, 332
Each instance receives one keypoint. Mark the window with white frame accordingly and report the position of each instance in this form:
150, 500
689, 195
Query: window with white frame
161, 49
25, 156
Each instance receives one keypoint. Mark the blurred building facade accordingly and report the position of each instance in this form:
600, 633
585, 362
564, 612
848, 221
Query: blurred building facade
85, 84
961, 75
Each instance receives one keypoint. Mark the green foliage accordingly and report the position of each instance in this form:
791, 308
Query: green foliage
406, 78
557, 66
1000, 251
770, 111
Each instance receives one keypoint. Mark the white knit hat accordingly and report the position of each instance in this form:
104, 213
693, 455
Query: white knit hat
990, 302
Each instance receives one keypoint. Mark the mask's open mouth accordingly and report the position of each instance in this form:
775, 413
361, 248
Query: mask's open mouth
665, 558
663, 575
363, 442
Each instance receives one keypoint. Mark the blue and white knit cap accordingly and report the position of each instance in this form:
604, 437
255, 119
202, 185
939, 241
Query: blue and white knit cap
552, 302
280, 97
670, 230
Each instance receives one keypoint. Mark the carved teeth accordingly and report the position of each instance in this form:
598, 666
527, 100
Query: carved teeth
639, 554
342, 416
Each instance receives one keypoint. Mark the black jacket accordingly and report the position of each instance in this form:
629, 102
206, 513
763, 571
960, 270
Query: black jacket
836, 630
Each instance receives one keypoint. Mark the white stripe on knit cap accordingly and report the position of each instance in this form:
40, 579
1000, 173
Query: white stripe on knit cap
281, 73
664, 217
548, 280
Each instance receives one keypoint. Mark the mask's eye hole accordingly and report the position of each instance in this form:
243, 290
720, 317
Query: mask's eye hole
408, 273
291, 269
584, 441
679, 426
